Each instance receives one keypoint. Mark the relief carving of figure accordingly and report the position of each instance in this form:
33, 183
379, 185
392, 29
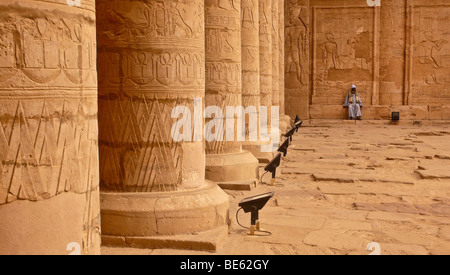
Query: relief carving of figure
429, 50
199, 22
134, 19
330, 53
176, 23
297, 40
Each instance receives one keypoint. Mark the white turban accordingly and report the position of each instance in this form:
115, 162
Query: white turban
353, 86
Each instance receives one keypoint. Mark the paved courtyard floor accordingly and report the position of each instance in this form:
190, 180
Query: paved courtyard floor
345, 185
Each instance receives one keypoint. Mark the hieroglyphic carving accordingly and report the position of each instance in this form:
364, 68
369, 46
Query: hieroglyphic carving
223, 61
431, 54
281, 56
249, 16
275, 55
50, 47
430, 50
265, 46
165, 69
297, 57
396, 53
392, 52
48, 114
153, 59
146, 20
250, 53
222, 74
297, 40
344, 53
218, 41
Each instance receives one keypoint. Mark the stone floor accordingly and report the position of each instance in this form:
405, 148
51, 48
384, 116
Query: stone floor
345, 185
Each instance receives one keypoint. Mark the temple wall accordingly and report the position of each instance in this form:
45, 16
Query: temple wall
396, 53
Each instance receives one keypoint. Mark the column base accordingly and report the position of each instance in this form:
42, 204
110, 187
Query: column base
210, 240
255, 149
235, 171
148, 215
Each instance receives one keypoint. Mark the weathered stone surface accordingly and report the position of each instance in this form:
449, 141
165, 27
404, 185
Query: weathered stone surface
148, 65
339, 239
434, 173
152, 59
297, 58
224, 72
388, 207
347, 225
265, 51
48, 127
397, 61
436, 209
250, 53
330, 217
403, 249
354, 177
151, 214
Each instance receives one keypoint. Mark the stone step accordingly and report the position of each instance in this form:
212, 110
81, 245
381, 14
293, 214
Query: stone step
209, 240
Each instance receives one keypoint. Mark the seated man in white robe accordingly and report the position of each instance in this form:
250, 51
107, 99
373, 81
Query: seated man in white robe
354, 104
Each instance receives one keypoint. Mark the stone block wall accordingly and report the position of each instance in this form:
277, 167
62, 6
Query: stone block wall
397, 53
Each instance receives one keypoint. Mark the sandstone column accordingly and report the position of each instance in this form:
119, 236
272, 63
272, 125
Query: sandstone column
285, 120
226, 163
266, 28
49, 193
276, 60
251, 73
250, 53
281, 51
265, 46
151, 64
275, 55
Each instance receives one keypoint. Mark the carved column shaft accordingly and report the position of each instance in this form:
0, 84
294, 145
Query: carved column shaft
223, 65
48, 128
152, 91
275, 54
281, 52
265, 46
152, 59
250, 53
226, 162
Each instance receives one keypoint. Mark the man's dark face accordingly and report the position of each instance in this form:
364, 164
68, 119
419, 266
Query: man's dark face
354, 89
